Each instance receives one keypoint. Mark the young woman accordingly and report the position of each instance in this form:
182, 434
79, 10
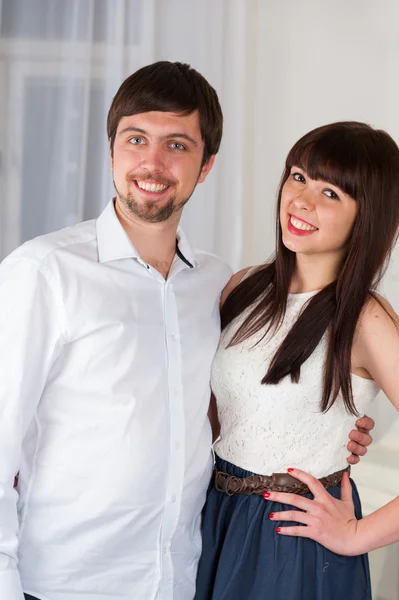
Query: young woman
306, 346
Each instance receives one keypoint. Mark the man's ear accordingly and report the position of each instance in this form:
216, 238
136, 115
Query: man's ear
206, 168
111, 155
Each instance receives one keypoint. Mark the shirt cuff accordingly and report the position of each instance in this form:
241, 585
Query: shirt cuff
10, 585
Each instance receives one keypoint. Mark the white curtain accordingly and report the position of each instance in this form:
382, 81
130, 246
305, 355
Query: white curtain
61, 62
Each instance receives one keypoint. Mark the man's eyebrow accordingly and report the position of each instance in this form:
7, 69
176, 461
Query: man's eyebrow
184, 136
132, 130
169, 136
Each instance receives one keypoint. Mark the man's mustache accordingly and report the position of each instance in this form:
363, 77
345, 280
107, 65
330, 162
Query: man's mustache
153, 177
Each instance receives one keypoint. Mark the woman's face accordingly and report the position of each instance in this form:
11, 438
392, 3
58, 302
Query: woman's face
315, 216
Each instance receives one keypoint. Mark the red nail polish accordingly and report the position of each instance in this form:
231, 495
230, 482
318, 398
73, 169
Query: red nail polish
278, 529
290, 470
271, 516
266, 494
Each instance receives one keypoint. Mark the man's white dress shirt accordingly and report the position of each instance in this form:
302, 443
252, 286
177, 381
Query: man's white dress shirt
104, 370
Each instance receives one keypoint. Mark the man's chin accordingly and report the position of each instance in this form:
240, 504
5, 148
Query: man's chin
152, 214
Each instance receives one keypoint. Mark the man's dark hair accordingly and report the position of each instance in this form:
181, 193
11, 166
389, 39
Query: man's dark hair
169, 87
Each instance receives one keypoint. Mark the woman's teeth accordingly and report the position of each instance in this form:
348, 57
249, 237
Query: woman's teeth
301, 225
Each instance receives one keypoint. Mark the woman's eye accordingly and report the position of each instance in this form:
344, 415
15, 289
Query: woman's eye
178, 146
298, 177
136, 141
331, 194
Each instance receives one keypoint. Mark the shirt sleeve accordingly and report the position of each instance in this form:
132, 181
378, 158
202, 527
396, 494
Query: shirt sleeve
31, 336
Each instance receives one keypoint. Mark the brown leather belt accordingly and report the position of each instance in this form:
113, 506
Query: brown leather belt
278, 482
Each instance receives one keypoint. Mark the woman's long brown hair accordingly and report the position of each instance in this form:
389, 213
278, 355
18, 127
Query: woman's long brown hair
364, 163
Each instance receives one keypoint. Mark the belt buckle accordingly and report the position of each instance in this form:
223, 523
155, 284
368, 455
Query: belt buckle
229, 479
222, 482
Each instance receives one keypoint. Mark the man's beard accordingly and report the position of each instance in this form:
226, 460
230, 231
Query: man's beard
150, 211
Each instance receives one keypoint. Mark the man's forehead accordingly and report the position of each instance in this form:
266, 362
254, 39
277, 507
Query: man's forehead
160, 121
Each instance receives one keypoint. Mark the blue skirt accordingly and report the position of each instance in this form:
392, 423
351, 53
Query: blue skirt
243, 558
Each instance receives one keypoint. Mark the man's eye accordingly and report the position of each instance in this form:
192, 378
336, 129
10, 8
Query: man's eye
298, 177
331, 194
178, 146
136, 141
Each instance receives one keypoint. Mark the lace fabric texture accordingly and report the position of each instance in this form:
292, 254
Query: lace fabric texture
268, 428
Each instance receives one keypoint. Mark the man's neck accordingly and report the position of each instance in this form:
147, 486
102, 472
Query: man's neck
155, 242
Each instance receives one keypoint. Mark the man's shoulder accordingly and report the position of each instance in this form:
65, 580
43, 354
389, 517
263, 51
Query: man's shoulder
211, 262
70, 239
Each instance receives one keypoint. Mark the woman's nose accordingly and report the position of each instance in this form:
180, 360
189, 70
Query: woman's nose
305, 200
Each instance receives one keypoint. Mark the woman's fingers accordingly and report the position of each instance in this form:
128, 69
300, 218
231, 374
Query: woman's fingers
296, 530
346, 490
291, 499
325, 519
292, 515
313, 484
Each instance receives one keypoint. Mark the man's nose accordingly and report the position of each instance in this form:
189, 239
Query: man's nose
153, 159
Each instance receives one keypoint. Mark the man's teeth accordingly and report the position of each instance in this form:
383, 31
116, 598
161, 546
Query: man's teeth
151, 187
301, 225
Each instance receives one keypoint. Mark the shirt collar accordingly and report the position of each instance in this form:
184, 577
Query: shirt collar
184, 251
112, 240
114, 243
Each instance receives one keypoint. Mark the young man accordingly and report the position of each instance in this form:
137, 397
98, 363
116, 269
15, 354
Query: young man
107, 334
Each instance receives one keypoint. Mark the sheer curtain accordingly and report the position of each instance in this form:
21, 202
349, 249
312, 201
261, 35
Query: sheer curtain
61, 62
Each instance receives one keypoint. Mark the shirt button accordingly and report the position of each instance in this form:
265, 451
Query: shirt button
173, 337
174, 498
165, 549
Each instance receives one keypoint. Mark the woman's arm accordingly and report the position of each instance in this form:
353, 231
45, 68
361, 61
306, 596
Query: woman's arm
329, 521
376, 347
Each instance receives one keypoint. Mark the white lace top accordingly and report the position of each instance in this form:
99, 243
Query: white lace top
268, 428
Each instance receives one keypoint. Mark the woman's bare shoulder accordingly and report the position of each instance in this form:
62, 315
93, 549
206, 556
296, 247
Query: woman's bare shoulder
376, 345
377, 307
378, 317
233, 283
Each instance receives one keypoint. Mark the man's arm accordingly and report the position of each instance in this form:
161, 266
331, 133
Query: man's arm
30, 338
213, 418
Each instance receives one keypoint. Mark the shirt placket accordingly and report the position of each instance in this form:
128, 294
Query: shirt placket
176, 437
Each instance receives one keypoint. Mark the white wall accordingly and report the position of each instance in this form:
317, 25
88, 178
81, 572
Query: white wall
310, 63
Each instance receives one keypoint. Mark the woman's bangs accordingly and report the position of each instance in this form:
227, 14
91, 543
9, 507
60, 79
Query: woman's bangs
333, 161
